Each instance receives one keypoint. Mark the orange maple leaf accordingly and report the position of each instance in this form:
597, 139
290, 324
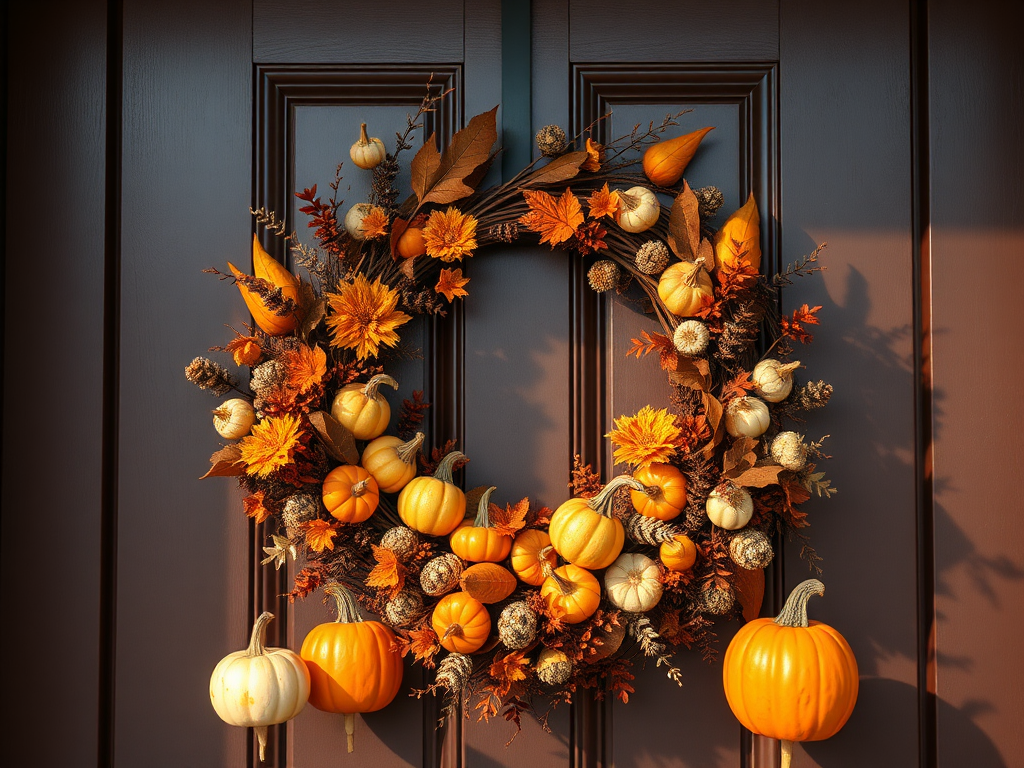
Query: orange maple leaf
595, 156
508, 670
388, 573
451, 284
647, 343
320, 534
794, 328
423, 644
509, 520
254, 507
603, 203
737, 386
555, 220
375, 223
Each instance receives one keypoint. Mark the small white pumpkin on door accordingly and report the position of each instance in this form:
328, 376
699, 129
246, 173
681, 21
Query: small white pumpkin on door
633, 582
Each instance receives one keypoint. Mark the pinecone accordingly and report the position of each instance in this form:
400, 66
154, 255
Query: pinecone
604, 276
695, 517
709, 200
402, 541
453, 672
297, 510
517, 626
403, 608
715, 600
441, 574
813, 394
206, 374
382, 191
649, 530
422, 302
505, 233
553, 667
551, 140
750, 549
267, 377
652, 257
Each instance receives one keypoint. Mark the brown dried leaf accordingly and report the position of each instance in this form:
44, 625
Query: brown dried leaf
424, 167
473, 500
338, 441
684, 225
388, 573
706, 252
749, 586
315, 312
713, 412
740, 456
487, 582
225, 463
469, 149
692, 373
759, 477
560, 169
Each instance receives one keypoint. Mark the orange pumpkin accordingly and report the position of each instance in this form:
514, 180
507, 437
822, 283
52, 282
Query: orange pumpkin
411, 243
461, 622
531, 550
361, 409
666, 496
685, 287
584, 532
477, 541
354, 665
571, 592
392, 462
678, 553
791, 679
266, 268
350, 494
434, 505
665, 161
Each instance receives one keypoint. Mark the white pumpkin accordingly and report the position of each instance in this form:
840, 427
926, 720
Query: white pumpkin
259, 686
367, 153
746, 417
633, 582
354, 220
233, 419
773, 380
639, 209
729, 506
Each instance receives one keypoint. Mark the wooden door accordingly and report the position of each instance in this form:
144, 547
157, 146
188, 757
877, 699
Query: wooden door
157, 125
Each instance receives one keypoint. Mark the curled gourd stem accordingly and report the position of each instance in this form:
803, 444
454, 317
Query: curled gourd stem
360, 488
348, 611
787, 753
543, 554
407, 451
350, 730
794, 612
454, 630
628, 202
444, 469
261, 738
564, 585
364, 137
370, 390
602, 502
256, 647
691, 280
483, 519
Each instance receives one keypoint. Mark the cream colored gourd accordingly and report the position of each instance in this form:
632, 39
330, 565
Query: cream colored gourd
260, 686
391, 462
746, 417
789, 450
234, 418
367, 153
354, 220
361, 409
729, 506
773, 380
685, 287
633, 583
639, 209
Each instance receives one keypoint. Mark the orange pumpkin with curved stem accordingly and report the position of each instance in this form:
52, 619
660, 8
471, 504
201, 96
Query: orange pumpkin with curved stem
571, 592
391, 461
789, 678
350, 494
434, 505
531, 550
461, 622
266, 268
679, 553
477, 541
665, 496
361, 409
585, 533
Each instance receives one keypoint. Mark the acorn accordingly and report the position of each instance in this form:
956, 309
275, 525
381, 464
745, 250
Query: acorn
517, 626
551, 140
553, 667
403, 608
751, 549
604, 276
441, 574
402, 541
652, 257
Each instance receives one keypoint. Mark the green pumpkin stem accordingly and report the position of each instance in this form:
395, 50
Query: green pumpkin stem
483, 518
444, 469
256, 646
794, 612
407, 451
348, 611
602, 502
370, 390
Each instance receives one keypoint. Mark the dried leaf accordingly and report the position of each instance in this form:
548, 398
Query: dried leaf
555, 220
740, 455
423, 644
338, 441
759, 477
253, 505
315, 313
713, 412
694, 373
737, 386
487, 582
560, 169
225, 463
509, 520
749, 587
424, 167
738, 241
667, 354
469, 149
684, 225
388, 573
320, 535
473, 499
705, 251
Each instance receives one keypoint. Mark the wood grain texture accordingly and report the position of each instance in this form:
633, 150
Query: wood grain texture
55, 148
182, 545
846, 180
977, 211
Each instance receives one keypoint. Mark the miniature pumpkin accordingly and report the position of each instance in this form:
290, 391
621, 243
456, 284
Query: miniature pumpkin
233, 419
354, 665
729, 506
531, 549
584, 532
361, 409
354, 220
685, 287
633, 582
367, 153
738, 242
477, 541
434, 505
773, 379
679, 553
665, 161
350, 494
391, 462
265, 268
665, 496
487, 582
747, 417
570, 592
461, 622
789, 678
411, 243
638, 210
259, 686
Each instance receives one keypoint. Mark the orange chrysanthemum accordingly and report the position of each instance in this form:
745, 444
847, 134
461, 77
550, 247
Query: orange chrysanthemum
648, 437
270, 445
305, 368
595, 156
451, 284
375, 223
450, 235
603, 203
364, 316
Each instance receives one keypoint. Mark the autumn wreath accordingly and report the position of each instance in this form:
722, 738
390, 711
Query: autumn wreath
512, 602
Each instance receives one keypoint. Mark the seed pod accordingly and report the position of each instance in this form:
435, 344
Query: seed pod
441, 574
652, 257
751, 549
788, 449
403, 608
649, 530
453, 672
716, 601
553, 667
604, 276
517, 626
402, 541
691, 338
551, 140
299, 509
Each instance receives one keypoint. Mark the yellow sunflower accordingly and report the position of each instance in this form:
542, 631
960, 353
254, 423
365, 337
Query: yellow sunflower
450, 235
649, 436
364, 316
270, 445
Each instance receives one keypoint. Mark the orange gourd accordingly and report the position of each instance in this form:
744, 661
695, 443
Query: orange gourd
791, 679
685, 287
354, 665
665, 496
411, 243
461, 622
434, 505
665, 161
584, 532
391, 462
265, 268
571, 592
678, 553
476, 541
350, 494
738, 242
531, 549
361, 409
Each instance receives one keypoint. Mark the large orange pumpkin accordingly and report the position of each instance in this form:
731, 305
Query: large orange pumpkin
354, 665
666, 494
350, 494
434, 505
584, 532
476, 541
531, 550
392, 462
266, 268
791, 679
461, 622
571, 592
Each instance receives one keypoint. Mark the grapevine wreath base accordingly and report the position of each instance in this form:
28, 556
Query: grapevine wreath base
511, 604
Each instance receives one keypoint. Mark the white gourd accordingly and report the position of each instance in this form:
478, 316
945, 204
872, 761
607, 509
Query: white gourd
746, 417
633, 583
729, 506
639, 209
234, 418
367, 153
354, 220
773, 380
